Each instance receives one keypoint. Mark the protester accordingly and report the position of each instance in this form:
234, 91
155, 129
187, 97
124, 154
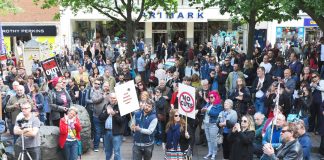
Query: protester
176, 138
27, 124
114, 128
70, 129
259, 120
211, 111
144, 124
291, 148
242, 137
304, 140
226, 121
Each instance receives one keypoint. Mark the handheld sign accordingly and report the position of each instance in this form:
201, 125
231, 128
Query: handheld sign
186, 100
127, 97
51, 68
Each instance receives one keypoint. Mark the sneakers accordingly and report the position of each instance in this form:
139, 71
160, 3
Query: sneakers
96, 150
101, 140
208, 156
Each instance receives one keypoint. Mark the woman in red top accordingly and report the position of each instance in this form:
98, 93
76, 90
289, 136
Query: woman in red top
70, 129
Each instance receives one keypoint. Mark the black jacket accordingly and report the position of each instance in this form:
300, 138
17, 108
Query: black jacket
118, 125
289, 151
242, 145
266, 84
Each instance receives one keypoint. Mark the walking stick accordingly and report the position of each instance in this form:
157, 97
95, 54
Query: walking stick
275, 114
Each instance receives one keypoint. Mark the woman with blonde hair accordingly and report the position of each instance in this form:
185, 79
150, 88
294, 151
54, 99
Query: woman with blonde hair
241, 139
176, 139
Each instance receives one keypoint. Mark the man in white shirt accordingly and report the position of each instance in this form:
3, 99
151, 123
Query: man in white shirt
266, 64
141, 66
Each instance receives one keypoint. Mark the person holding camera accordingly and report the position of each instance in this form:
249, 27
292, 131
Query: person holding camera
27, 124
241, 138
70, 129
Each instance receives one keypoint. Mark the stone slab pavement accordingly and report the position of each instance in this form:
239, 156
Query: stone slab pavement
199, 151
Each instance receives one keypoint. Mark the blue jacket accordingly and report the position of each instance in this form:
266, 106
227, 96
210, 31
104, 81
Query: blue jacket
39, 102
214, 112
305, 142
144, 122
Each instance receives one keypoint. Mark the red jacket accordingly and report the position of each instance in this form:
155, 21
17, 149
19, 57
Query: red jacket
64, 131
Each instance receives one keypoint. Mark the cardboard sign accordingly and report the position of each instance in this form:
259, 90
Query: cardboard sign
127, 97
51, 68
187, 100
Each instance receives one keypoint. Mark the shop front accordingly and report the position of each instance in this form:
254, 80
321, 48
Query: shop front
15, 35
312, 31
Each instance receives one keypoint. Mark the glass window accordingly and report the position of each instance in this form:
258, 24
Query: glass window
200, 26
159, 26
178, 26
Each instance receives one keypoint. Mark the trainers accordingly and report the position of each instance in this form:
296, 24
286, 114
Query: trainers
213, 157
101, 140
96, 150
207, 156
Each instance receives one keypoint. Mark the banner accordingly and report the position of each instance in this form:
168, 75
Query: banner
2, 44
51, 68
187, 100
127, 97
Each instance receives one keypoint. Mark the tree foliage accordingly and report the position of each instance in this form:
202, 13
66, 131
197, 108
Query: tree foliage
120, 11
7, 6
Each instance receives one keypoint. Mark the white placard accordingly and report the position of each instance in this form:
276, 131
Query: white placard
126, 97
187, 100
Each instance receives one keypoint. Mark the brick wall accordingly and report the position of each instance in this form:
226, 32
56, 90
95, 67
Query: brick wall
30, 13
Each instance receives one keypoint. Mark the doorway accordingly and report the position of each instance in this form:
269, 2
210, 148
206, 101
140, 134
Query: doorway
158, 39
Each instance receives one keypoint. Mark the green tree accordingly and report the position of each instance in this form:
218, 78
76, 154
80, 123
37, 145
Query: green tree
314, 8
7, 6
250, 12
120, 11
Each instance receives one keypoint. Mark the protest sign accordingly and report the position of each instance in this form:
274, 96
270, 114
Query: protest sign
126, 97
186, 100
51, 68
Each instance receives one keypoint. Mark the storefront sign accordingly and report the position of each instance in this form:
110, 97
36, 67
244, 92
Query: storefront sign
51, 68
180, 16
308, 22
27, 30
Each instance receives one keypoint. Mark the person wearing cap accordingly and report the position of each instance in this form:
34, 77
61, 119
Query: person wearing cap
143, 125
60, 101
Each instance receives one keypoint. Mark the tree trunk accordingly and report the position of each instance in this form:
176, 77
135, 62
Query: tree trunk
130, 31
251, 31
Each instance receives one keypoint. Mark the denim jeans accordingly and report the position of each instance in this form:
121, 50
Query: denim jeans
159, 131
112, 143
71, 150
211, 131
145, 153
98, 131
259, 105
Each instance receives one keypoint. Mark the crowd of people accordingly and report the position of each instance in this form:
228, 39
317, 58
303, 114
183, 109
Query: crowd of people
259, 106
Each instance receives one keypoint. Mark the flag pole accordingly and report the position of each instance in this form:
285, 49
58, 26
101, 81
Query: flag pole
275, 112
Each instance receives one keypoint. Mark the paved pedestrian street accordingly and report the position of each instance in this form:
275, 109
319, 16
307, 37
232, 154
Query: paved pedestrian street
199, 151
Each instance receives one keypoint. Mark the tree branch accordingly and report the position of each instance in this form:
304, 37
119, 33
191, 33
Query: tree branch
119, 10
141, 12
105, 13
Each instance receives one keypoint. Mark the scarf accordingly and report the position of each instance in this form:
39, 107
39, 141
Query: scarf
173, 136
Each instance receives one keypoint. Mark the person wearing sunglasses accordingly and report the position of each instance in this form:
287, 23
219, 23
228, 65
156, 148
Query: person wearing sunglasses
176, 137
291, 148
211, 112
241, 139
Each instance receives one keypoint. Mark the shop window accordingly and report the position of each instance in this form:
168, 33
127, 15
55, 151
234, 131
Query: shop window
178, 26
159, 26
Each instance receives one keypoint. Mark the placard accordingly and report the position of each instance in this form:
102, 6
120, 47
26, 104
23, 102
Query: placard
187, 100
127, 97
51, 68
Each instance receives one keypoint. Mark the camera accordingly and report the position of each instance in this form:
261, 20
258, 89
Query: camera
22, 123
300, 92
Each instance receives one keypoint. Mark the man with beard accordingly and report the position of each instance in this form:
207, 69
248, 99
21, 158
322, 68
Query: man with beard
143, 125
